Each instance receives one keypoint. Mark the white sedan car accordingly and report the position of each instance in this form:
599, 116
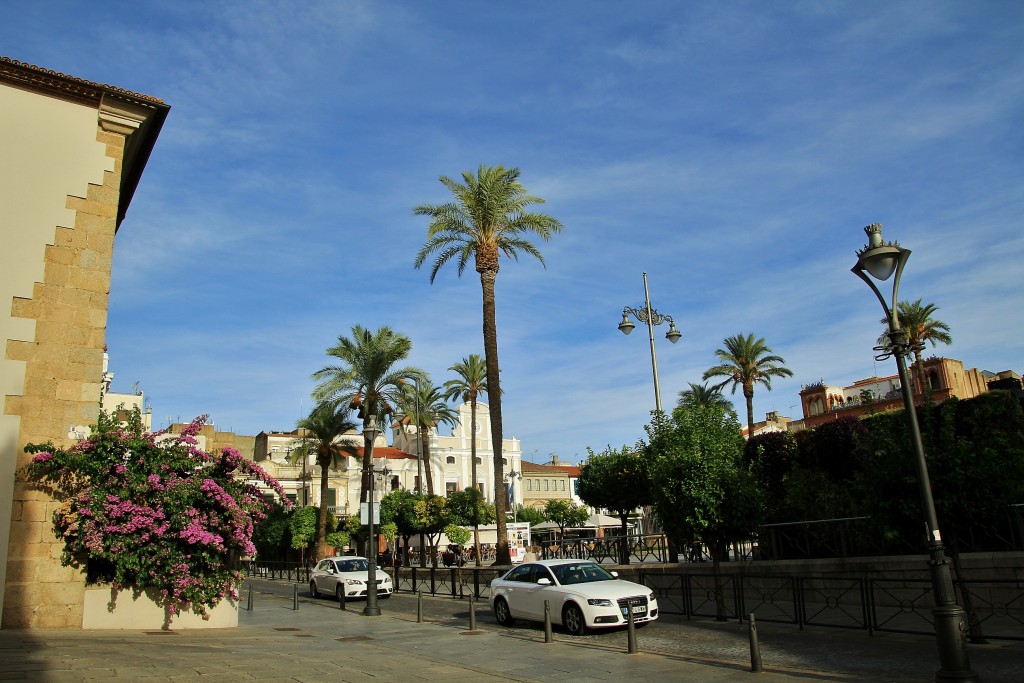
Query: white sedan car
581, 594
335, 575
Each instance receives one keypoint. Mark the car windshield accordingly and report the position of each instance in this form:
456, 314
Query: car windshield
352, 565
580, 572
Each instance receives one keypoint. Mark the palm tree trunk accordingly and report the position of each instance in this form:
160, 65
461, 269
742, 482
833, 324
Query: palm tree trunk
472, 465
487, 279
364, 486
321, 522
748, 393
424, 437
919, 362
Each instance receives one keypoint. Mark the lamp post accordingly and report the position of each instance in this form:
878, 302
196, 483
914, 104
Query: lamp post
511, 476
651, 317
371, 609
879, 261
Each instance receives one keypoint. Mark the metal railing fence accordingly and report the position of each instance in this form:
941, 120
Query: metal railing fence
872, 605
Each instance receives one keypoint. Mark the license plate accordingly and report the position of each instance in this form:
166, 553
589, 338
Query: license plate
637, 609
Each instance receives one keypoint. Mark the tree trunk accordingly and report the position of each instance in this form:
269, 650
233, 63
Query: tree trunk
623, 541
424, 437
487, 278
364, 486
472, 465
321, 522
748, 394
715, 547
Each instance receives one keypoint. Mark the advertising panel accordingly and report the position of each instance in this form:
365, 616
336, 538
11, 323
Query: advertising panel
518, 539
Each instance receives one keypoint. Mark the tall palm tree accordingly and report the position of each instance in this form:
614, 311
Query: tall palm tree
703, 395
424, 405
471, 381
488, 217
367, 380
916, 320
323, 426
746, 361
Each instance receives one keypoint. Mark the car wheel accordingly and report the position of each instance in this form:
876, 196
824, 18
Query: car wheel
502, 612
573, 621
313, 591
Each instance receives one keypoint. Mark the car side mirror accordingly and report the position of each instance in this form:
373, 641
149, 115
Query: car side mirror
378, 567
543, 582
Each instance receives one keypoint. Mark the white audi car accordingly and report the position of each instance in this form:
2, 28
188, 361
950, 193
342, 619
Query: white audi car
334, 575
581, 595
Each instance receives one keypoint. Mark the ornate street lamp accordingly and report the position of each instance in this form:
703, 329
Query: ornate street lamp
880, 260
371, 609
651, 317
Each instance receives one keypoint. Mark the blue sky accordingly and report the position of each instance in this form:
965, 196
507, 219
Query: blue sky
733, 151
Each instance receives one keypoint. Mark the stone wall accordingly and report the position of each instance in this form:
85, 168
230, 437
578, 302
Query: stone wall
63, 372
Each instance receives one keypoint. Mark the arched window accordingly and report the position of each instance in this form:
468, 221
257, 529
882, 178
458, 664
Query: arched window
450, 460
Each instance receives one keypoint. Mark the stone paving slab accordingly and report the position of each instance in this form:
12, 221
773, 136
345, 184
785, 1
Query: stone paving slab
319, 644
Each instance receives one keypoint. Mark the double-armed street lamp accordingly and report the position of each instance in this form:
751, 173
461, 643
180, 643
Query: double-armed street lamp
879, 261
651, 317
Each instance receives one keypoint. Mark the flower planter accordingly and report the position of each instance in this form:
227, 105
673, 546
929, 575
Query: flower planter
106, 608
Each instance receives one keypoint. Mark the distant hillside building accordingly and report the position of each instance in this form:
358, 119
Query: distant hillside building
943, 377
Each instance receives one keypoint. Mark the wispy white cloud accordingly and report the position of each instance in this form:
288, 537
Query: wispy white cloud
733, 152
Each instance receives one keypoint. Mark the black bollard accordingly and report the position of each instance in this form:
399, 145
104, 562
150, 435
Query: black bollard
341, 599
472, 614
248, 604
419, 606
630, 632
295, 596
755, 647
548, 638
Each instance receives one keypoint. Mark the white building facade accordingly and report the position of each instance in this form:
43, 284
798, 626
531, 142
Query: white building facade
450, 456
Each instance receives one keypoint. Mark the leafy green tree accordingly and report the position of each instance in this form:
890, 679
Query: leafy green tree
470, 382
302, 526
488, 216
431, 519
424, 405
531, 515
565, 513
618, 481
347, 528
324, 425
771, 458
468, 508
270, 534
701, 488
745, 362
916, 320
398, 508
703, 395
367, 379
457, 534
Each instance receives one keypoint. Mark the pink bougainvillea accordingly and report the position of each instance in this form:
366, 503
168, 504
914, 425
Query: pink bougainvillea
144, 510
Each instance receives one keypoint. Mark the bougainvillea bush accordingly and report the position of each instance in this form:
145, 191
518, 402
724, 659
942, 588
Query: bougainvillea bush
152, 510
